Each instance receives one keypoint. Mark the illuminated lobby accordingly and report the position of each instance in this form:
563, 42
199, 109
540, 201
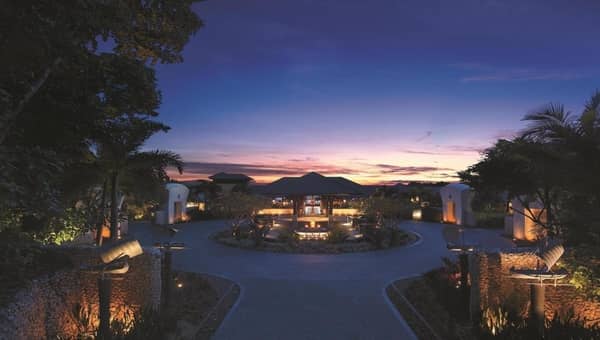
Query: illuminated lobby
312, 203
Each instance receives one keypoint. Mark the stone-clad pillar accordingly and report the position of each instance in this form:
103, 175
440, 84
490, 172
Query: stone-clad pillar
478, 268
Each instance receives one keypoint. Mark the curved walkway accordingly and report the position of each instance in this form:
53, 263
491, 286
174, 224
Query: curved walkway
295, 296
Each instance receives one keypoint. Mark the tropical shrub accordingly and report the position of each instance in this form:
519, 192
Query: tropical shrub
337, 234
583, 263
499, 325
22, 260
146, 324
200, 215
490, 219
494, 320
397, 237
431, 214
286, 235
424, 298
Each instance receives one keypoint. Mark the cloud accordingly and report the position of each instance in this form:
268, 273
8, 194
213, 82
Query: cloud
408, 170
305, 159
421, 152
427, 135
489, 73
466, 148
521, 75
447, 150
445, 176
203, 169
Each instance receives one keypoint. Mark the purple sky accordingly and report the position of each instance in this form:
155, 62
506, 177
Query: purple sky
376, 91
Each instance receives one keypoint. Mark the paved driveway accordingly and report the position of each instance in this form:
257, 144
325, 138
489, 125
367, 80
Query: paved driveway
290, 296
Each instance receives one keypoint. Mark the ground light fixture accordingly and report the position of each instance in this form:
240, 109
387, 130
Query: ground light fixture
115, 263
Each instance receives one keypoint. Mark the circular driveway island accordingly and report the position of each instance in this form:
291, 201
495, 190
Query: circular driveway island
297, 296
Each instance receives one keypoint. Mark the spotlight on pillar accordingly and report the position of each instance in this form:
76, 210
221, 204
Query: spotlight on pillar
115, 262
537, 277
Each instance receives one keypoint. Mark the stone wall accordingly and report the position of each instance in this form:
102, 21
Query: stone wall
45, 308
492, 287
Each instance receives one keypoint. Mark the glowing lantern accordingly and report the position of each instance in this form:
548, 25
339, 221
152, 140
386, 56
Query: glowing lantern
105, 232
417, 214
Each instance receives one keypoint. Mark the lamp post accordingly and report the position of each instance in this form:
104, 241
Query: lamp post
167, 248
463, 250
104, 291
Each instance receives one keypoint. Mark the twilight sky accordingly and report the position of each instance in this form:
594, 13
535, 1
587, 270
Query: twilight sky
376, 91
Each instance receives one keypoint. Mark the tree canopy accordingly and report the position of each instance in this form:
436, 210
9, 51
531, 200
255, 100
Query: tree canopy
555, 160
73, 70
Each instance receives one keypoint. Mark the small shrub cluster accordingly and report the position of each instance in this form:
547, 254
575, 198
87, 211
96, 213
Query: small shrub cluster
583, 262
444, 282
424, 298
499, 324
286, 235
431, 214
337, 234
384, 237
200, 215
490, 219
145, 324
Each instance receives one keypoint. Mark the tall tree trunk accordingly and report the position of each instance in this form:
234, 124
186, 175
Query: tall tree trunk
114, 207
102, 214
8, 118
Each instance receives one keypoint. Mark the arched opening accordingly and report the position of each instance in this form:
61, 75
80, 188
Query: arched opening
450, 212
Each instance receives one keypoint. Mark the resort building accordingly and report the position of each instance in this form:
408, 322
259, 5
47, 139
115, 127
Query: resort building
312, 195
201, 191
456, 204
228, 182
173, 208
520, 222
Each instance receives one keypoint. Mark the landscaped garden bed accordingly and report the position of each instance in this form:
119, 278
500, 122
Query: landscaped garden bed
293, 245
434, 309
416, 300
198, 305
67, 297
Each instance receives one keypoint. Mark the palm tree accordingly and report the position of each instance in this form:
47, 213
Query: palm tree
551, 123
127, 168
578, 139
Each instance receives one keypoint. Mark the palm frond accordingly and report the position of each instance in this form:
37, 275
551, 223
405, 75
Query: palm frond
156, 160
589, 122
550, 123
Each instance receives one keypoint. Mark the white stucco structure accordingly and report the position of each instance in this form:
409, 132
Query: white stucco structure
520, 224
456, 204
173, 210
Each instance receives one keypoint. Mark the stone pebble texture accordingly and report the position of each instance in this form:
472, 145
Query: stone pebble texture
492, 287
46, 308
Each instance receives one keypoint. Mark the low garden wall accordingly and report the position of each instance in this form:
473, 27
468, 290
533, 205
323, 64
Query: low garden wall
492, 287
46, 308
